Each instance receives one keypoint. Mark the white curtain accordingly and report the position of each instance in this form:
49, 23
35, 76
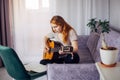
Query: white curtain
31, 24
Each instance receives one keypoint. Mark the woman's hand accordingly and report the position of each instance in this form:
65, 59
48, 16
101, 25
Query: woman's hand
61, 50
46, 49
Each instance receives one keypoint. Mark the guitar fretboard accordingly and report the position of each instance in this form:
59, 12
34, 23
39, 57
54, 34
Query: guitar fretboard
55, 49
64, 48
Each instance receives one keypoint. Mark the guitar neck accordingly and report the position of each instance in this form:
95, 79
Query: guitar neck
55, 49
64, 49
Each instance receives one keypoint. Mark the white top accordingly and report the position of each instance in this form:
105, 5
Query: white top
109, 73
72, 36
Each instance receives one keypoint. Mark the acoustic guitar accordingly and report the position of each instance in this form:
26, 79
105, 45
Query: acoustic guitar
55, 46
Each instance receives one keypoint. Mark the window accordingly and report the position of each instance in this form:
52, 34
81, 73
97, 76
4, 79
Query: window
45, 3
32, 4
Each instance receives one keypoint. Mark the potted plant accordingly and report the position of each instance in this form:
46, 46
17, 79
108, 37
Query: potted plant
108, 54
92, 25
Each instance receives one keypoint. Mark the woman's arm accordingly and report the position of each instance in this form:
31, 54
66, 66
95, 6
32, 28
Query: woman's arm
74, 44
46, 40
74, 40
46, 46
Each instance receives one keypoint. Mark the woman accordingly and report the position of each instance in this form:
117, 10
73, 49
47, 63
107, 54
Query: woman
66, 35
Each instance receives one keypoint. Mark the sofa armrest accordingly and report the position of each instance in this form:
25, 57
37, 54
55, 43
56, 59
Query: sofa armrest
72, 72
82, 40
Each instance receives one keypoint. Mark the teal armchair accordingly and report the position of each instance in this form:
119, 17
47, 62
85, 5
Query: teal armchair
14, 66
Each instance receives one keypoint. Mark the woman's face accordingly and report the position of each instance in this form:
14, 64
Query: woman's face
56, 28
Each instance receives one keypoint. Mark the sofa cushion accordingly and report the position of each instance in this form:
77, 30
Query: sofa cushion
92, 41
85, 56
83, 51
82, 40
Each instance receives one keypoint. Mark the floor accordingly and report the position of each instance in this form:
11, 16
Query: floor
4, 75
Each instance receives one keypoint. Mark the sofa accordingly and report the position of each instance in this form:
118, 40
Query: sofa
89, 54
89, 45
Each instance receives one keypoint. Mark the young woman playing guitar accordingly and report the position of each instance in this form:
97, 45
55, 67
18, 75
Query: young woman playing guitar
61, 32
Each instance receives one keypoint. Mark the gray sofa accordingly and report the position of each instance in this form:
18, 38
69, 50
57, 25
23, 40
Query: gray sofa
89, 46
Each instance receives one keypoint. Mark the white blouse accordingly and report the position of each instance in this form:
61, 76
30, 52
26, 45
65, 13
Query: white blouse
55, 36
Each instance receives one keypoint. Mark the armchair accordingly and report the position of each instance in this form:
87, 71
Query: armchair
14, 66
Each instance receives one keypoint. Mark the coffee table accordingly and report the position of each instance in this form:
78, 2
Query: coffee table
108, 73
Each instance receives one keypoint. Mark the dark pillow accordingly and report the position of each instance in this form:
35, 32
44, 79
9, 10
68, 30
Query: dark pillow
92, 41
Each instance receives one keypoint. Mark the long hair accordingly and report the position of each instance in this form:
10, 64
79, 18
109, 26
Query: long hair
58, 20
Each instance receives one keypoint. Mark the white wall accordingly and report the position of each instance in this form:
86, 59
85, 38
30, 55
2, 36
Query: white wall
115, 14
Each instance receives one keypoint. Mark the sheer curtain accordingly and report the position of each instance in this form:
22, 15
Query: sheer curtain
31, 22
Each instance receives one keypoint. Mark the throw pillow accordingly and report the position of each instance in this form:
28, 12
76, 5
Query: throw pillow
92, 41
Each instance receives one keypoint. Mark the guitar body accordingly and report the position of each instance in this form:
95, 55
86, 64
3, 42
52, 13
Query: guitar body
52, 44
55, 46
48, 55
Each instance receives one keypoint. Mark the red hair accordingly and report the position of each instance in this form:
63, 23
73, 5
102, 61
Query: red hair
58, 20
